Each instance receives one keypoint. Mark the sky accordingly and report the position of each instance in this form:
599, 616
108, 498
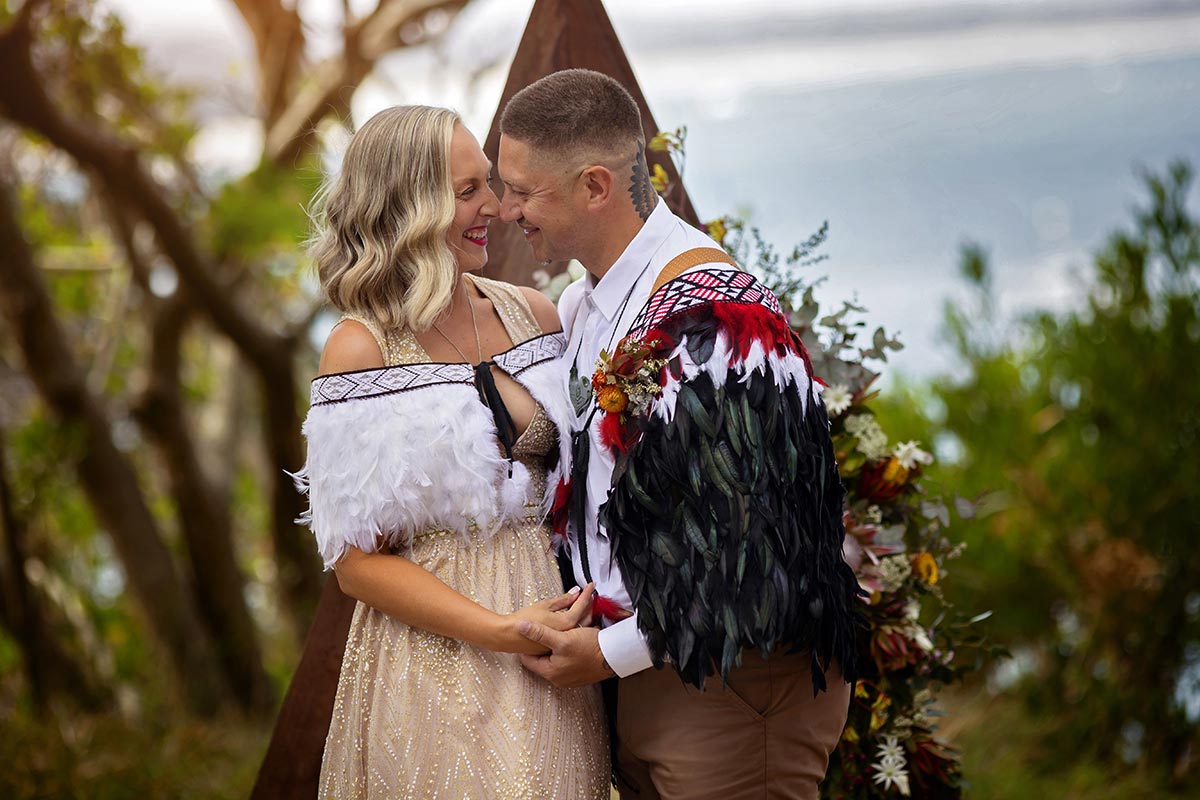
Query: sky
910, 126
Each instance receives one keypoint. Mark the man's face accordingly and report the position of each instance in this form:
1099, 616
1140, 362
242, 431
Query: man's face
540, 196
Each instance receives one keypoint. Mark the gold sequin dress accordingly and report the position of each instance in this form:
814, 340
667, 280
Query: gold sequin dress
418, 715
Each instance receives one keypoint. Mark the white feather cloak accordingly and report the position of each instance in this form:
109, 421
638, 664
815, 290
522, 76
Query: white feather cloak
403, 449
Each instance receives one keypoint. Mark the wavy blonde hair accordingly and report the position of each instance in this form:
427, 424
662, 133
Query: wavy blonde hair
380, 224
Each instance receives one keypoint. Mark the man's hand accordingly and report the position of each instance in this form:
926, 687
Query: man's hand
575, 658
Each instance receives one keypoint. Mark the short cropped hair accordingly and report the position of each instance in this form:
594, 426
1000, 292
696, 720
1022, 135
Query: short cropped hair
575, 112
380, 224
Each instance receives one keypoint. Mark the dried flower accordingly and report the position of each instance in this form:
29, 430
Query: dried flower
612, 400
910, 455
890, 751
871, 440
925, 568
893, 572
837, 398
892, 774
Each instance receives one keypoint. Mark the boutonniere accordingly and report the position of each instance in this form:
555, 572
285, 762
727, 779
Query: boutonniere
625, 384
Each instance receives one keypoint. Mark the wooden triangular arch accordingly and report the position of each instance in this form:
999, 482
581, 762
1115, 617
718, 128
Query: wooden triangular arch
561, 34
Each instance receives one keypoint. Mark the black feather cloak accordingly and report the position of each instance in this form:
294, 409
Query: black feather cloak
725, 513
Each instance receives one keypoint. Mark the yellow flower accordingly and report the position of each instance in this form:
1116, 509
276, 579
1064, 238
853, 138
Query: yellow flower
925, 568
879, 712
717, 230
659, 178
612, 400
895, 473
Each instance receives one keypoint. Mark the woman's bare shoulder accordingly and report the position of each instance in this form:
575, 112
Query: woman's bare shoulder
351, 346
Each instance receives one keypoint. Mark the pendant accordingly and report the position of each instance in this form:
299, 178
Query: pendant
581, 392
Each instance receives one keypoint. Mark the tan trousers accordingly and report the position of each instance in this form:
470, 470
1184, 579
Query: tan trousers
763, 736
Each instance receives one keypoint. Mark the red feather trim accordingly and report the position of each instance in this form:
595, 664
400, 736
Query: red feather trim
617, 436
747, 323
560, 511
605, 607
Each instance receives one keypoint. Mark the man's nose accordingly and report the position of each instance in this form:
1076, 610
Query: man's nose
510, 211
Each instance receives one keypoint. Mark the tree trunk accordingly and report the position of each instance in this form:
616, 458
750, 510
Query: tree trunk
293, 544
106, 475
204, 519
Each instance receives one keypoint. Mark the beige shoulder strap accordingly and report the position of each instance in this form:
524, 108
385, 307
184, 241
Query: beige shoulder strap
396, 347
688, 259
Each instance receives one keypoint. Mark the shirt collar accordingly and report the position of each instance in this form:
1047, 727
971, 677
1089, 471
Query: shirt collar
610, 292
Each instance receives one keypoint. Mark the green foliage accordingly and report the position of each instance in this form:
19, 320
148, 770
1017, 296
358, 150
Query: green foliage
1084, 425
109, 757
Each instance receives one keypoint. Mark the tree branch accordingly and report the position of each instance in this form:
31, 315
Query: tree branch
24, 101
106, 475
292, 133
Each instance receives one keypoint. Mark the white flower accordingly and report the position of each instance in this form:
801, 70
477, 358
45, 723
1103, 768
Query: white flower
893, 572
872, 441
891, 774
873, 515
910, 454
912, 610
921, 639
890, 752
837, 398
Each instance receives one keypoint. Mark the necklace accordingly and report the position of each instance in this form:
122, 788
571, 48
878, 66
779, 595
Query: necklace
474, 325
580, 386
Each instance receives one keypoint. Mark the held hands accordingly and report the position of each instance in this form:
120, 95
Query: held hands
575, 658
565, 612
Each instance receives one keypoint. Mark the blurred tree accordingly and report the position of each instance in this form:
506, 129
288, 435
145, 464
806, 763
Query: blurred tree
1084, 425
128, 276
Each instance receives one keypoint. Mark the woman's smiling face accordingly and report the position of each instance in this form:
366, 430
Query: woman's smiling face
475, 204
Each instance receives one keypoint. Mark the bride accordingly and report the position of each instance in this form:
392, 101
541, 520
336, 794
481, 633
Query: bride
434, 422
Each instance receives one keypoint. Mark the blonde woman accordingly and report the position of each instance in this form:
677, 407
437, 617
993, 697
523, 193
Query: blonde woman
432, 427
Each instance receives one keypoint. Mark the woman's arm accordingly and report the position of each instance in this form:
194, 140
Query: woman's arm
416, 597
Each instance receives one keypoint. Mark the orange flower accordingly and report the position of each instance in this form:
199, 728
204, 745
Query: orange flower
612, 400
895, 473
599, 380
925, 568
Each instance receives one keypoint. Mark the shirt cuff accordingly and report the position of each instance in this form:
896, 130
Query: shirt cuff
625, 648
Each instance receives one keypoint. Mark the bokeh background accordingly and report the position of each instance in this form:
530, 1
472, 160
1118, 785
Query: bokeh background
1007, 188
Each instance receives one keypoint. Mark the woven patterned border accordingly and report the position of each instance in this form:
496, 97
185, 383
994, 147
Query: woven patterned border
344, 386
715, 285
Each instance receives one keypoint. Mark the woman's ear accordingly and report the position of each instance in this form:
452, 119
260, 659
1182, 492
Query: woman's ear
597, 182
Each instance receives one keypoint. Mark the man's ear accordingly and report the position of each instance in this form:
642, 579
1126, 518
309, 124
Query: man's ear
597, 183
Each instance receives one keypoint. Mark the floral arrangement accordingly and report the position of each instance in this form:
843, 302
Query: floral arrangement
626, 382
896, 541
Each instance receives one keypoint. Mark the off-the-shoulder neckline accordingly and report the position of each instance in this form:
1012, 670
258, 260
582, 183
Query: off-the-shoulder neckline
514, 348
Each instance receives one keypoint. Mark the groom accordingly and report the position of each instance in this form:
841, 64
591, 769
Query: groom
704, 496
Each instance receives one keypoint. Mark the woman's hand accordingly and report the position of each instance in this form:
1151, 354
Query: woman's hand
572, 609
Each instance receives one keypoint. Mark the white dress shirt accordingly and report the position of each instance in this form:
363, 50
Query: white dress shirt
595, 316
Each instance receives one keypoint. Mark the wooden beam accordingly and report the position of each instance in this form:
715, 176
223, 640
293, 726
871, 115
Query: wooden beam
292, 766
567, 34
